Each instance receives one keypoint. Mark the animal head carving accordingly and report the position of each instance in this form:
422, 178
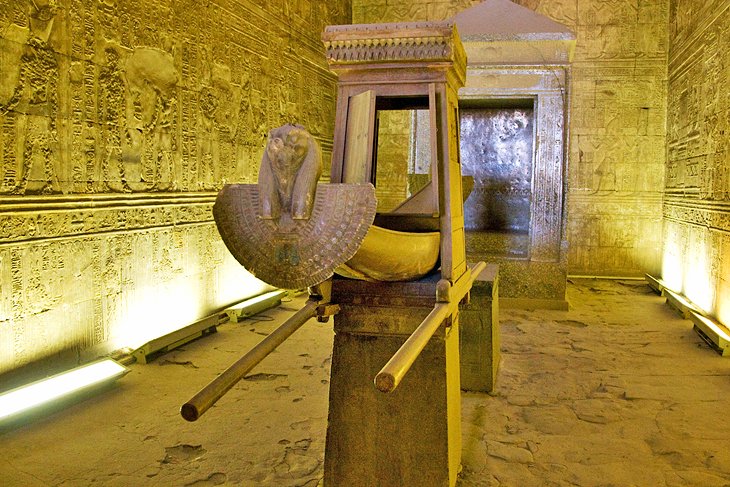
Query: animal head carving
290, 168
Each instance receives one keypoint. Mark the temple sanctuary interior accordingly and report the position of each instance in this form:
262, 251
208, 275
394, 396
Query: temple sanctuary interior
569, 158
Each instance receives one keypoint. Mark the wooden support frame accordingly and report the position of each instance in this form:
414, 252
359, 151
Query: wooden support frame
402, 60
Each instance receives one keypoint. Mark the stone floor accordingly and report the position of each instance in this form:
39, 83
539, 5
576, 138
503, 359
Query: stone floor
618, 391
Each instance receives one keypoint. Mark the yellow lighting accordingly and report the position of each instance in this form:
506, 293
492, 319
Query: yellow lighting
155, 310
673, 257
58, 386
255, 305
698, 282
711, 325
723, 307
687, 268
672, 274
258, 299
681, 300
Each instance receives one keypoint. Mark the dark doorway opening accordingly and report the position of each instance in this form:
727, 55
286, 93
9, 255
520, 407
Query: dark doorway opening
497, 150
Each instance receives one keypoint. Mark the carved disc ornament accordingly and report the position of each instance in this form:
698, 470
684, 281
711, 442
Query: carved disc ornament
289, 231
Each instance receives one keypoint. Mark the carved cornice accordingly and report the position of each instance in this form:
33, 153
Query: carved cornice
640, 198
614, 205
31, 219
408, 41
97, 201
714, 215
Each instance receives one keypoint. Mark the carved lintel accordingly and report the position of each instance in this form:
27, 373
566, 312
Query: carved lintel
396, 42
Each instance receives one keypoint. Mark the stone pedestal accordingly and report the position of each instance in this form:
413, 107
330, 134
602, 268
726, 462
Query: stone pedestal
479, 333
411, 437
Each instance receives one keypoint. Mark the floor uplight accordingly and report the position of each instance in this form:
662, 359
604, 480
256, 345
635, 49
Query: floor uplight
58, 386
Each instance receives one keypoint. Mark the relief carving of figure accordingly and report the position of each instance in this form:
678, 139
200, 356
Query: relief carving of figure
113, 121
35, 100
208, 106
249, 127
147, 156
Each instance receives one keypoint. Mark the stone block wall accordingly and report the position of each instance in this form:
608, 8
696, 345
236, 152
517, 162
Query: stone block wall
696, 254
119, 122
617, 127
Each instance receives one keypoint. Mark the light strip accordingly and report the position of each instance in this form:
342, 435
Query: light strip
57, 386
655, 283
679, 302
712, 331
255, 305
263, 297
712, 325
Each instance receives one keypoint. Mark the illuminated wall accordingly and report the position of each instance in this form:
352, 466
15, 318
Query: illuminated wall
696, 258
617, 130
119, 121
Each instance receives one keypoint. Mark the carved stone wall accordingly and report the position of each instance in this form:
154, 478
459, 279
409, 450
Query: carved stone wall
119, 121
696, 259
617, 127
616, 165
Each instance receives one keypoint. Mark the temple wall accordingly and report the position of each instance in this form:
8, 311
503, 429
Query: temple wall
119, 122
696, 255
617, 135
617, 128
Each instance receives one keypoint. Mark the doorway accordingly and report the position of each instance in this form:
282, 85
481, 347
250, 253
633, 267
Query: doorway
497, 150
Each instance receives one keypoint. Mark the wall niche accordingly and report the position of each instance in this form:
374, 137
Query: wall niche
497, 152
513, 114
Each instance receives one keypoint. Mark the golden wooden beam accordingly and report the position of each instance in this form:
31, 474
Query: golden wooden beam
393, 372
210, 394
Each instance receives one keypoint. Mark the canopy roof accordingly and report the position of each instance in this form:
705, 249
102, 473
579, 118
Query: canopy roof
503, 20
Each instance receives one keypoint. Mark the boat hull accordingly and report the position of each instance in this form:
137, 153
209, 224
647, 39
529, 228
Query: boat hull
390, 255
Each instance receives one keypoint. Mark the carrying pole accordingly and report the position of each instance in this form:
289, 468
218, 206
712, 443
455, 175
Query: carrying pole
393, 372
208, 396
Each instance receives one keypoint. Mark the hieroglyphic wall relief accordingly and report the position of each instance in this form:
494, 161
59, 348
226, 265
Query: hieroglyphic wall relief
697, 183
393, 153
118, 123
139, 96
616, 163
31, 103
375, 11
617, 127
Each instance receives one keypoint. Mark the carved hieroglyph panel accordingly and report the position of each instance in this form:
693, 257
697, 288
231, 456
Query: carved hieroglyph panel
118, 122
697, 183
617, 130
393, 154
617, 154
377, 11
155, 96
698, 118
618, 230
110, 290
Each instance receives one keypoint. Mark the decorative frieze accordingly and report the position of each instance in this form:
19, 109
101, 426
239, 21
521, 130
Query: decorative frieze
708, 214
406, 41
36, 218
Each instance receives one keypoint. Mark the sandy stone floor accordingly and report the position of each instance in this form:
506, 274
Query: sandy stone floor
618, 391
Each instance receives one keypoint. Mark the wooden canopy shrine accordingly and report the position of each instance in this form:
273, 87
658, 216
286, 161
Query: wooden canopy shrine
403, 65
